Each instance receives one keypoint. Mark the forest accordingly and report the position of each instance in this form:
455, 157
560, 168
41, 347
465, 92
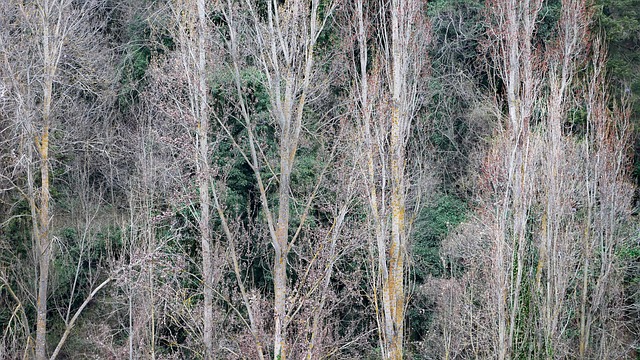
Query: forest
319, 179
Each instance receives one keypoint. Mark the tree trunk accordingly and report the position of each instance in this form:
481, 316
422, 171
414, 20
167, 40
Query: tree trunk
386, 162
281, 252
203, 173
42, 224
41, 231
394, 286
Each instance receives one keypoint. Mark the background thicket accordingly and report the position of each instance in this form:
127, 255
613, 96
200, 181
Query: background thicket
311, 179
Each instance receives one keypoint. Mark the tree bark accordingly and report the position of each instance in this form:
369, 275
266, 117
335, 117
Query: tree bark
386, 162
203, 173
285, 49
281, 245
193, 38
51, 43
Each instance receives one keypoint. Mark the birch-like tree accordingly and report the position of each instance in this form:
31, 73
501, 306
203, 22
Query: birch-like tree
194, 38
281, 38
542, 207
31, 63
53, 84
513, 26
387, 90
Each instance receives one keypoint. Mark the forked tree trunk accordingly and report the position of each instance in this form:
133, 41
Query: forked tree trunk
285, 51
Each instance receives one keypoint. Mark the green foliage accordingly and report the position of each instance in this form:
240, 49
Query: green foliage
81, 258
458, 73
433, 224
135, 63
142, 45
457, 28
547, 29
576, 123
241, 193
629, 252
329, 39
620, 22
16, 233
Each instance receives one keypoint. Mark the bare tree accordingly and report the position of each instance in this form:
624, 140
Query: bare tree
194, 35
51, 21
285, 39
53, 34
513, 27
608, 223
54, 85
541, 203
557, 259
387, 101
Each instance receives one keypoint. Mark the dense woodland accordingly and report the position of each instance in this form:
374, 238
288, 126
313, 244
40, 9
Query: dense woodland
319, 179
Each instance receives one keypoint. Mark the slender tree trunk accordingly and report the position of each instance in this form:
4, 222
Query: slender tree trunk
203, 173
513, 25
41, 230
386, 162
43, 243
393, 287
404, 15
193, 33
280, 261
285, 50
